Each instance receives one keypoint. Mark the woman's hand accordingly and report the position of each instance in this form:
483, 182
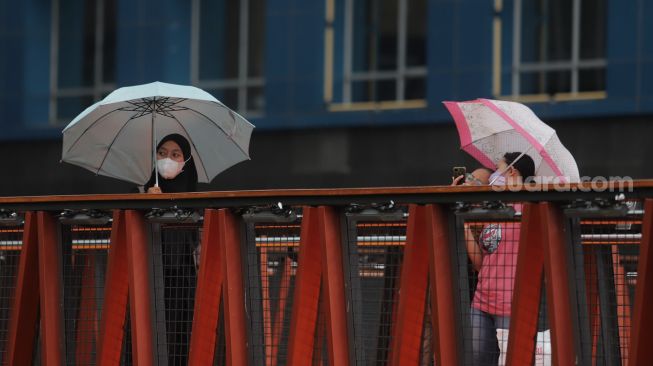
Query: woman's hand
154, 189
456, 181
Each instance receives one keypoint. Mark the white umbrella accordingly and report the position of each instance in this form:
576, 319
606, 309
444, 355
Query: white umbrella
490, 128
117, 136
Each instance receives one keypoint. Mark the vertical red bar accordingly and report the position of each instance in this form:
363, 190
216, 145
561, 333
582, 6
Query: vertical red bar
116, 291
233, 291
623, 304
334, 285
25, 306
527, 288
407, 332
592, 291
446, 328
641, 352
556, 267
307, 292
208, 295
51, 289
265, 300
140, 288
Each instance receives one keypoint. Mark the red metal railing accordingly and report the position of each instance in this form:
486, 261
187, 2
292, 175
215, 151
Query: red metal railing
310, 275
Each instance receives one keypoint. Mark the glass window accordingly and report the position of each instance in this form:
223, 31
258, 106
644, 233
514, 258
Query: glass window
228, 52
383, 58
558, 46
83, 55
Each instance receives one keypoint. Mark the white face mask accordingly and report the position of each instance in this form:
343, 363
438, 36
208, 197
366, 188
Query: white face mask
169, 168
497, 179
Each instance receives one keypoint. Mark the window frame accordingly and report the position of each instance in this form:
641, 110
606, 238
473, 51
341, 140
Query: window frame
99, 87
349, 76
517, 67
243, 81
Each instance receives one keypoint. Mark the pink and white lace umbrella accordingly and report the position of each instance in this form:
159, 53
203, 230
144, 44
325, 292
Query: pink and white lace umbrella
490, 128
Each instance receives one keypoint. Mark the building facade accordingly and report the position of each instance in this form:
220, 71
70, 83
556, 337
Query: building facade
343, 92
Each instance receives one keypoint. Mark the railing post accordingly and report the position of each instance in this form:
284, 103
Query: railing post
25, 307
233, 289
52, 334
140, 288
527, 288
641, 352
116, 291
407, 333
447, 330
208, 295
307, 292
557, 264
333, 283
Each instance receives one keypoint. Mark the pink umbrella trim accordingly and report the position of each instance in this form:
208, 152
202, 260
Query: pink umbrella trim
545, 155
466, 136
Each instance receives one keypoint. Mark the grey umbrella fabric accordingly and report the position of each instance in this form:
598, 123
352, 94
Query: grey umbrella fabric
117, 136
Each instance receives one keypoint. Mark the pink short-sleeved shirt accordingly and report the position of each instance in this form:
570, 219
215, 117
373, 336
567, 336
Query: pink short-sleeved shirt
499, 243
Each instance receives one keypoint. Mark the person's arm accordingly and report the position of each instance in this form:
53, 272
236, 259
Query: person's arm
473, 250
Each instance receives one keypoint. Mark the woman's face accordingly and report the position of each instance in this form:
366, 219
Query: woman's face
170, 149
502, 165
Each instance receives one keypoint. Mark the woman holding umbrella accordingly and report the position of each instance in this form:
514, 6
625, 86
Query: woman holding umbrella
493, 254
176, 173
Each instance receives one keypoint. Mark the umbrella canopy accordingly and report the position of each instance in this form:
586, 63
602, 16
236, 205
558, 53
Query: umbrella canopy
490, 128
117, 136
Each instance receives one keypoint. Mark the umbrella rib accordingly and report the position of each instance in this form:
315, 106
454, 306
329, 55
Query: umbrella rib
520, 134
112, 142
217, 125
89, 127
193, 143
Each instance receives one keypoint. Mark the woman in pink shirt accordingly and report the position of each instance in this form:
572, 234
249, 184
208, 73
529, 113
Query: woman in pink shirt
494, 255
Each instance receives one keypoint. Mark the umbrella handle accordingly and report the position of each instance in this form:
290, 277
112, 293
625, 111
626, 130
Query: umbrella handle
156, 166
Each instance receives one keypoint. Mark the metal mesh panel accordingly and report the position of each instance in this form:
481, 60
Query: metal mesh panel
220, 352
85, 251
272, 253
175, 251
487, 257
427, 356
375, 253
607, 250
10, 246
126, 355
320, 347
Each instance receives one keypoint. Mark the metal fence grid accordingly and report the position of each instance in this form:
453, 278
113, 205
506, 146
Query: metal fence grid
175, 255
220, 351
272, 254
487, 256
607, 250
374, 253
85, 251
11, 240
320, 347
427, 355
126, 354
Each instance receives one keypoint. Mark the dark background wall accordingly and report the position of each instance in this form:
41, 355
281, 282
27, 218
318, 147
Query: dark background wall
344, 157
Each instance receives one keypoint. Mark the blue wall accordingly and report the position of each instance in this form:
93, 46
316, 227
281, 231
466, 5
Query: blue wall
153, 43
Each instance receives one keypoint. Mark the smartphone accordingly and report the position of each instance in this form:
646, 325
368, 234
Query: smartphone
458, 171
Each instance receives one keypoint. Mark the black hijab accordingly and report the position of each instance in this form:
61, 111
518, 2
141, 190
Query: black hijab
186, 181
